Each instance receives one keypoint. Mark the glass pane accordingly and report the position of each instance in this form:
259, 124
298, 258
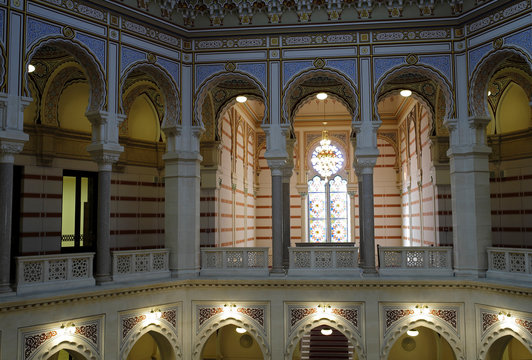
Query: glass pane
317, 231
339, 210
68, 223
339, 230
317, 210
84, 209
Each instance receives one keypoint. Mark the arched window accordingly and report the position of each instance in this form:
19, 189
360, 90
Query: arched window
328, 214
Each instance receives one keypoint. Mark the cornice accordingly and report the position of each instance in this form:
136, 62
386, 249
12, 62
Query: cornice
456, 284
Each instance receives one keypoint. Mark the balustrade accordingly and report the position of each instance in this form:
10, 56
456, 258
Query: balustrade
510, 264
423, 260
245, 261
135, 264
319, 261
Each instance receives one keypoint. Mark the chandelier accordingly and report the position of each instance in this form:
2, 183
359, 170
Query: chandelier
326, 159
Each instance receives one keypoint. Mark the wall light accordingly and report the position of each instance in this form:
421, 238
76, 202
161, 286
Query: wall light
324, 309
412, 332
31, 68
422, 310
241, 99
406, 93
69, 329
240, 330
229, 307
502, 316
326, 332
321, 96
154, 314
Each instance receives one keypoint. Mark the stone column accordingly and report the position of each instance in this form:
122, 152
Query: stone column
471, 203
12, 140
105, 151
287, 174
276, 167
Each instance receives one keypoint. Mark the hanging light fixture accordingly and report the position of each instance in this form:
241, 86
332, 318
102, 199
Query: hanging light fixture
326, 159
326, 331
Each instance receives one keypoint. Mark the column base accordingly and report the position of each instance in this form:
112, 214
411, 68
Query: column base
277, 273
370, 271
103, 279
6, 289
185, 274
470, 273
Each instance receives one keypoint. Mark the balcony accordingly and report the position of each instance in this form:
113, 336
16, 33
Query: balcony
244, 261
509, 264
131, 265
418, 261
324, 261
54, 272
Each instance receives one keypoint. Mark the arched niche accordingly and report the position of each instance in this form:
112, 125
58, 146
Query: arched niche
430, 322
503, 330
162, 335
84, 57
426, 85
218, 94
307, 84
508, 347
486, 68
73, 345
227, 342
331, 321
427, 344
325, 341
218, 322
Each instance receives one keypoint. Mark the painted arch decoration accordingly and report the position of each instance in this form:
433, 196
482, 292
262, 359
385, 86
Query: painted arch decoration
486, 68
348, 318
344, 91
90, 65
41, 342
444, 319
166, 85
210, 317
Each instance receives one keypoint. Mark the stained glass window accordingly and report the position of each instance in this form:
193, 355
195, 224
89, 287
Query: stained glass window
332, 224
317, 210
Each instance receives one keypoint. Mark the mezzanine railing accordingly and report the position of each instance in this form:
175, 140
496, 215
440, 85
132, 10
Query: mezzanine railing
140, 264
424, 260
54, 272
509, 263
324, 261
245, 261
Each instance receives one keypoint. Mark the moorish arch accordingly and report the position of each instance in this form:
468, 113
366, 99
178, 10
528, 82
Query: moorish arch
65, 75
399, 78
218, 322
430, 322
306, 85
161, 332
74, 344
163, 80
217, 94
500, 331
89, 64
487, 67
337, 322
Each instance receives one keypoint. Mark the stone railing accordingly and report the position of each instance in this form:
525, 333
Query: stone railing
245, 261
510, 264
324, 261
140, 264
54, 272
419, 261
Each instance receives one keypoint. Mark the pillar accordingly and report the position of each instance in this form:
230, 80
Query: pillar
287, 173
276, 167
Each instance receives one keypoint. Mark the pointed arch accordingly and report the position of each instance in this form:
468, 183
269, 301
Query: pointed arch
337, 322
213, 81
349, 99
163, 80
158, 328
499, 331
74, 343
426, 71
91, 66
221, 320
484, 71
430, 322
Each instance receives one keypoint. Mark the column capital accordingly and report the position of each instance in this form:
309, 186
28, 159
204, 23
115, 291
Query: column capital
276, 165
100, 117
105, 155
9, 148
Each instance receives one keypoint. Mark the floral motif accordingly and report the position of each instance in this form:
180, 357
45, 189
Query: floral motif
488, 319
393, 315
299, 313
205, 313
350, 315
89, 331
525, 323
32, 342
254, 313
129, 323
170, 316
449, 316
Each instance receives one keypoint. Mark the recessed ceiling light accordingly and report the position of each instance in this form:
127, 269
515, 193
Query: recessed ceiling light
321, 96
31, 68
326, 332
241, 99
412, 332
240, 330
406, 93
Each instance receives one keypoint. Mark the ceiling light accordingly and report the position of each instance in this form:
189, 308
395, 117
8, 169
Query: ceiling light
412, 332
241, 99
489, 93
321, 96
240, 330
326, 332
31, 68
406, 93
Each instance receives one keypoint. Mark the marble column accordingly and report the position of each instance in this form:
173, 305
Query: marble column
276, 167
103, 234
6, 197
367, 221
287, 174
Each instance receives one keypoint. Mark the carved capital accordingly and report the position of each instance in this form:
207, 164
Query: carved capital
8, 150
104, 155
277, 166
